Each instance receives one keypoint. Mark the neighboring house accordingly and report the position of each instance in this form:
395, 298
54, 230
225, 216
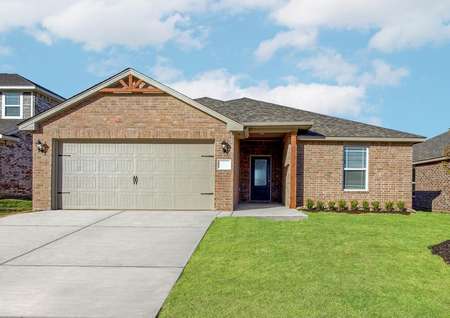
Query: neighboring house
432, 174
20, 99
131, 142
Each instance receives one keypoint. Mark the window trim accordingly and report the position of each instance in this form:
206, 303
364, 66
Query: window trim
366, 169
4, 105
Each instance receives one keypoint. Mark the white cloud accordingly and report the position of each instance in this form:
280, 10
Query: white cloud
399, 24
290, 39
5, 50
330, 65
383, 74
163, 71
329, 99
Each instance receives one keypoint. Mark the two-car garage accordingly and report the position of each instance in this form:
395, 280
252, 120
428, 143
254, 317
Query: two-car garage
127, 175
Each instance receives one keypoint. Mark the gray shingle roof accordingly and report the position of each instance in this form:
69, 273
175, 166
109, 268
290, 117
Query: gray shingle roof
249, 110
8, 126
432, 148
11, 80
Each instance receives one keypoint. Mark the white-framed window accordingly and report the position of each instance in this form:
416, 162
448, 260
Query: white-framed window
12, 105
356, 168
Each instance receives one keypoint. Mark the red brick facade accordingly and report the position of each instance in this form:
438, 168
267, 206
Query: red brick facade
320, 172
109, 117
432, 186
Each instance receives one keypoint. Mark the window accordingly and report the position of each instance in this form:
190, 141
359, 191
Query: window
12, 105
355, 168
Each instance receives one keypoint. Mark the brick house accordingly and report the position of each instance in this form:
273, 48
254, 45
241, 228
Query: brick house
20, 99
432, 174
131, 142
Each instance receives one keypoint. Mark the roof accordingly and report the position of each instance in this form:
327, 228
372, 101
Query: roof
16, 80
30, 123
249, 110
8, 126
433, 148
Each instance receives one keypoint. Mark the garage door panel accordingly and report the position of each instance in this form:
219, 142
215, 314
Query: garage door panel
101, 176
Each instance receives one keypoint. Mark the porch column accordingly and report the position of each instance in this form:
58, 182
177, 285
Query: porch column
293, 172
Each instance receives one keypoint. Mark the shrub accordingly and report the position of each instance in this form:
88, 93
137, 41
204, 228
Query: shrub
376, 206
309, 204
354, 205
332, 205
366, 206
320, 206
401, 206
389, 206
342, 205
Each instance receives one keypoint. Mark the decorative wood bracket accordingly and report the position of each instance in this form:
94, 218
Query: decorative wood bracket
132, 85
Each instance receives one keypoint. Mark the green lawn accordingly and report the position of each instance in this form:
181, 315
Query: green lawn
331, 265
13, 206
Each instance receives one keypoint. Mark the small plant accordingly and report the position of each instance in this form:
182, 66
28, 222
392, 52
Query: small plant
309, 204
332, 205
401, 206
342, 205
320, 206
389, 206
376, 206
354, 204
366, 206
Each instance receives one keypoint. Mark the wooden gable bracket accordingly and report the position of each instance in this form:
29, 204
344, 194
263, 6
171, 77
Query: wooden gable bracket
132, 85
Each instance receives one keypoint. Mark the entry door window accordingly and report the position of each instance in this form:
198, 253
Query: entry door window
260, 179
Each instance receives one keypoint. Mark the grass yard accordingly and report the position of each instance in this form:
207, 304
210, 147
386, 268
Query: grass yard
14, 206
331, 265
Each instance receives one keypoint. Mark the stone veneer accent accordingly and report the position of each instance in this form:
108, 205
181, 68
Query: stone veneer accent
320, 172
273, 148
432, 187
113, 117
15, 167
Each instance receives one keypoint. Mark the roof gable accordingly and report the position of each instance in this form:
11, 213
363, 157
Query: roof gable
16, 81
126, 82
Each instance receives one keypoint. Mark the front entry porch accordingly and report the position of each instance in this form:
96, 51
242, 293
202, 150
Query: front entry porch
267, 170
274, 211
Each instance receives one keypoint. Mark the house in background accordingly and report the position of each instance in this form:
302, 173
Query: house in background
432, 174
131, 142
20, 99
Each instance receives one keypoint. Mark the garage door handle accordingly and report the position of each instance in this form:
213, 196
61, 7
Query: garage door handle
207, 193
135, 179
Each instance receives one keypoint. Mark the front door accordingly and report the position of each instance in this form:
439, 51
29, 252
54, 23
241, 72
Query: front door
260, 179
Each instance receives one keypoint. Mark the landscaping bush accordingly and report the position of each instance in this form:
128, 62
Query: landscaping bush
366, 206
401, 206
342, 205
320, 206
389, 206
309, 204
376, 206
354, 204
332, 205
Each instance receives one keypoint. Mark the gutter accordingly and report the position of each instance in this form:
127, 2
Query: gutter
9, 138
366, 139
430, 160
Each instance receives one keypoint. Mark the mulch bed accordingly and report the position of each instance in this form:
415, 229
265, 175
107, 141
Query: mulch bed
443, 250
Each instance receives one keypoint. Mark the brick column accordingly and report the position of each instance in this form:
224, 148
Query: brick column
293, 167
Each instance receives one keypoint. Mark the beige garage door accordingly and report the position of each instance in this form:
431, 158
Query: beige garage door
136, 176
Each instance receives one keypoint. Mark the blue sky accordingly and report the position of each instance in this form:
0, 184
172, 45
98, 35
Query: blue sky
367, 62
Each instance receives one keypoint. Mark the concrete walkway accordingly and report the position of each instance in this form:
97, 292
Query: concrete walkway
94, 263
272, 211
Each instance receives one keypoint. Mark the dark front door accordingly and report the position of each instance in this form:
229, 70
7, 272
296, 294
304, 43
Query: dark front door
260, 179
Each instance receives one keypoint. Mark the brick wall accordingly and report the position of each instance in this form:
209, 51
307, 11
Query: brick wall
320, 172
112, 117
432, 190
274, 148
15, 167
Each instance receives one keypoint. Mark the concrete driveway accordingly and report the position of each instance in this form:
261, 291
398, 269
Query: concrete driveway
94, 263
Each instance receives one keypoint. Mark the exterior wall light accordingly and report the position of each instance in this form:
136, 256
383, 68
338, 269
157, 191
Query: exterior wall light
225, 147
41, 146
